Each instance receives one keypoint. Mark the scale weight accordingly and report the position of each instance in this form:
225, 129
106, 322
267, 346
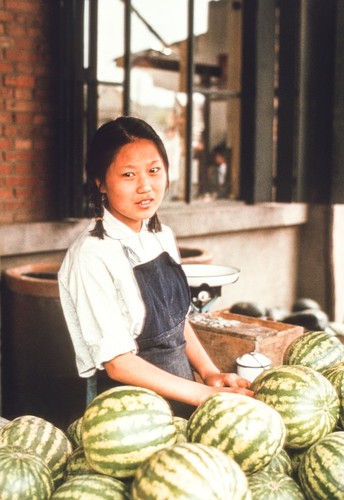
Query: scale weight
206, 282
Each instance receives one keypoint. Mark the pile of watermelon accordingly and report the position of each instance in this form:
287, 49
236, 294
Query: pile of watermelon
287, 442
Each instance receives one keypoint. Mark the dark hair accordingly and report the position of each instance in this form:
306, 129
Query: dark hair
106, 143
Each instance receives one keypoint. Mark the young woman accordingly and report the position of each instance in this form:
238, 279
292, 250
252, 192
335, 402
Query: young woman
124, 294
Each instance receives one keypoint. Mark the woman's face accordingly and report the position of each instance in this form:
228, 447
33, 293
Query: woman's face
135, 183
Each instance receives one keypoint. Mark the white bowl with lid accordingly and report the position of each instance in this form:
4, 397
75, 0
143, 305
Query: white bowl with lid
251, 364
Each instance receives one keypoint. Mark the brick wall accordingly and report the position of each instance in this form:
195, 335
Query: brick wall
28, 110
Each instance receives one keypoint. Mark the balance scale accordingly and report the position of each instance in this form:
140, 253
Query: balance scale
206, 282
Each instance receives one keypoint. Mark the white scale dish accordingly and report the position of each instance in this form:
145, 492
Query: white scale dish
212, 275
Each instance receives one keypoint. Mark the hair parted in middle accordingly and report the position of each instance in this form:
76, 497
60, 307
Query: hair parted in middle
105, 145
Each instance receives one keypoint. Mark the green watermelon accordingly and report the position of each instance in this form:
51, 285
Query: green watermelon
249, 431
189, 471
74, 432
295, 458
335, 374
181, 425
123, 426
280, 463
36, 435
23, 475
92, 487
318, 350
321, 470
77, 464
306, 400
272, 485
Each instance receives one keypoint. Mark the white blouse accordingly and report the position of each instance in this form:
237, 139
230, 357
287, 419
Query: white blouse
99, 295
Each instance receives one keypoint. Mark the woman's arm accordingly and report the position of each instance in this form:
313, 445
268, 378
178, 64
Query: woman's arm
205, 367
132, 370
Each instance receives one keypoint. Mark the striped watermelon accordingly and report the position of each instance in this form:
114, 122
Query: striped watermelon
306, 400
280, 463
92, 486
181, 425
77, 464
249, 431
335, 374
272, 485
321, 471
123, 426
189, 471
318, 350
74, 432
34, 434
23, 475
295, 458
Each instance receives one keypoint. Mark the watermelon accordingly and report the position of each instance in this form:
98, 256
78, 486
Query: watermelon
181, 425
272, 485
23, 475
34, 434
74, 432
189, 471
335, 374
321, 470
318, 350
77, 464
295, 458
123, 426
280, 463
249, 431
306, 400
92, 486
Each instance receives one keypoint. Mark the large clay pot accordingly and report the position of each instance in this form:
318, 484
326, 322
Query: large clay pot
39, 375
194, 255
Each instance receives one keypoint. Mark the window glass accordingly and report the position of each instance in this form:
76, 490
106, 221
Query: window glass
110, 54
217, 114
158, 76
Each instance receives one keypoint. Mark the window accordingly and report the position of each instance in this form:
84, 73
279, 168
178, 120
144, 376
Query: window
238, 90
175, 64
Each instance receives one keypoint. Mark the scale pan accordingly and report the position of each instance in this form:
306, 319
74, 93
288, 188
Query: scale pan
200, 274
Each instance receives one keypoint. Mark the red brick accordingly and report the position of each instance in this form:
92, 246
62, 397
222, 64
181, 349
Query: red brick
5, 169
5, 143
20, 81
5, 41
23, 118
19, 155
23, 93
16, 105
23, 168
6, 67
6, 193
15, 181
16, 55
6, 117
24, 6
6, 15
24, 69
23, 144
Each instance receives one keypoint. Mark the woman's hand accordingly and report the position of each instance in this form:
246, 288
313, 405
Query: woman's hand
229, 380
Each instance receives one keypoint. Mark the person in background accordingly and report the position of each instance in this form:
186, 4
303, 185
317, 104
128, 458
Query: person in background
220, 159
123, 291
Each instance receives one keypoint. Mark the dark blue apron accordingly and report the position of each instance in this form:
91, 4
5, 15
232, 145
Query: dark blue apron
166, 296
